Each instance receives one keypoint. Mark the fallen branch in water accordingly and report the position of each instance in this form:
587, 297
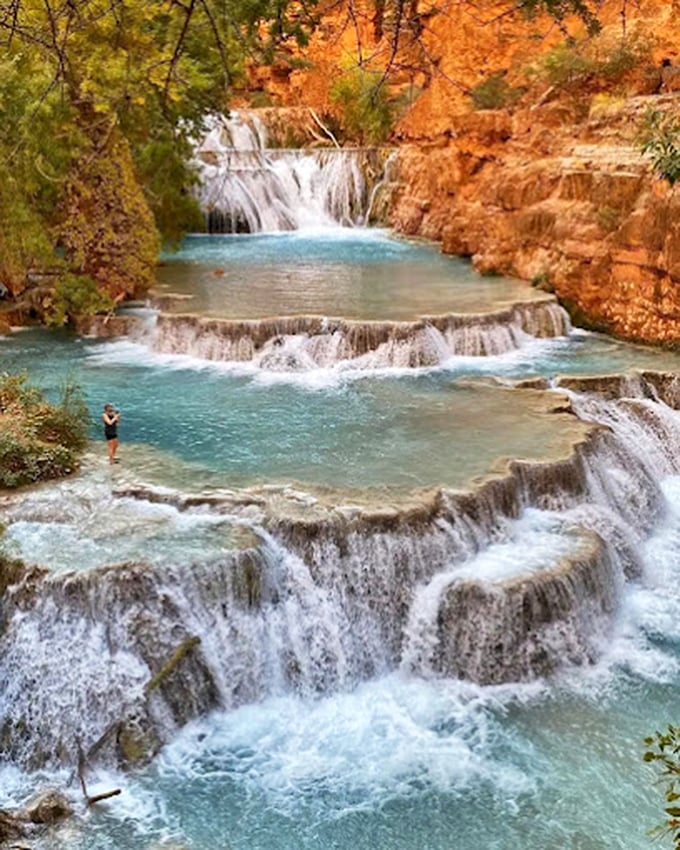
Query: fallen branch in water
97, 798
104, 796
171, 664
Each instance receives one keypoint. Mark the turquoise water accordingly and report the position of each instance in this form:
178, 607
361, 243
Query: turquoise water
232, 430
399, 763
356, 274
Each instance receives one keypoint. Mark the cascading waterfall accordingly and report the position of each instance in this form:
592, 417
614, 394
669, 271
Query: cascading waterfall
246, 187
108, 658
302, 343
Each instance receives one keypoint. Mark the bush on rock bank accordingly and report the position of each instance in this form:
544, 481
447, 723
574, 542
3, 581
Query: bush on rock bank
39, 440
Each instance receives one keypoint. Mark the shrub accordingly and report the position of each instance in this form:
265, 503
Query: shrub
543, 282
494, 92
608, 219
598, 59
366, 113
66, 423
74, 297
39, 440
661, 142
564, 65
663, 749
24, 459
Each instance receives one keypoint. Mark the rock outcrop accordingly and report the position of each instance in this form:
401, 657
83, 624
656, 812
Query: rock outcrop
553, 187
571, 205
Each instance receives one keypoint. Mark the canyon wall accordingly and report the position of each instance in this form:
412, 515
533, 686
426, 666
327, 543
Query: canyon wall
557, 190
552, 188
571, 206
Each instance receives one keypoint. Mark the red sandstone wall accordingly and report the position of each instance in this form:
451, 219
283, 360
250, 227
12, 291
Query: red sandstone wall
555, 188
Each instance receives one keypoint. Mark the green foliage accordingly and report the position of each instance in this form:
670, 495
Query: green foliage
661, 142
543, 282
663, 750
66, 423
98, 104
39, 440
74, 297
260, 100
365, 111
565, 64
24, 240
596, 60
494, 92
560, 9
106, 225
608, 218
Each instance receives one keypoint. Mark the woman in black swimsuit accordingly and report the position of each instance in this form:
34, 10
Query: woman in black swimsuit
111, 418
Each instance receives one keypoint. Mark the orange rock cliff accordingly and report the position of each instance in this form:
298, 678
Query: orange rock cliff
551, 185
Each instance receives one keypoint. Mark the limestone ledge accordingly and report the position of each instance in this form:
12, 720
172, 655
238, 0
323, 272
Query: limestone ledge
570, 204
181, 622
305, 342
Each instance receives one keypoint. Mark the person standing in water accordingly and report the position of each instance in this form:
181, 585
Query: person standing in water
111, 418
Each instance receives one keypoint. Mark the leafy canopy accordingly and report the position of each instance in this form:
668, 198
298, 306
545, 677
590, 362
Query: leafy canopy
124, 82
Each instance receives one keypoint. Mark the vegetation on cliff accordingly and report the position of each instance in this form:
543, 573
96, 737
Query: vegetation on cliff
39, 440
366, 113
99, 103
661, 142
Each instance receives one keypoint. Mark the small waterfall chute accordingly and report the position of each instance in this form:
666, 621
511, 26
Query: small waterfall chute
302, 343
244, 186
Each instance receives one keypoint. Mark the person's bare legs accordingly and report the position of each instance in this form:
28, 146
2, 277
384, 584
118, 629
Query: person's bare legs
113, 448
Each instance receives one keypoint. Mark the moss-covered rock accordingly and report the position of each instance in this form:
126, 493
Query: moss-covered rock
136, 742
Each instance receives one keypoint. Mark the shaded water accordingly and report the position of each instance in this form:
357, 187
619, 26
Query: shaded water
400, 761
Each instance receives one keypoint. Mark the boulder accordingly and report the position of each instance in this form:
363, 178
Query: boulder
46, 807
11, 827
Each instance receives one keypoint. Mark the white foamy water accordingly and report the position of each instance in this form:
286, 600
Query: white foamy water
312, 731
393, 737
301, 772
247, 188
128, 352
80, 524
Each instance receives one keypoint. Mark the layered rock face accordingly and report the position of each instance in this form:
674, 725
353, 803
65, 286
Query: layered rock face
553, 188
556, 189
570, 205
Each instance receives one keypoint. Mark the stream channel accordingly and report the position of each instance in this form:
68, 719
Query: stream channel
335, 709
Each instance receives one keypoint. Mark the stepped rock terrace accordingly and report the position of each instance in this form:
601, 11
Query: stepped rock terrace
309, 585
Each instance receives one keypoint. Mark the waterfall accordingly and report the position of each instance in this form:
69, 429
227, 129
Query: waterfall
311, 342
506, 582
246, 187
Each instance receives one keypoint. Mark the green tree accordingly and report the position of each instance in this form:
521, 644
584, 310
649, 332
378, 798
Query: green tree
366, 114
99, 101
